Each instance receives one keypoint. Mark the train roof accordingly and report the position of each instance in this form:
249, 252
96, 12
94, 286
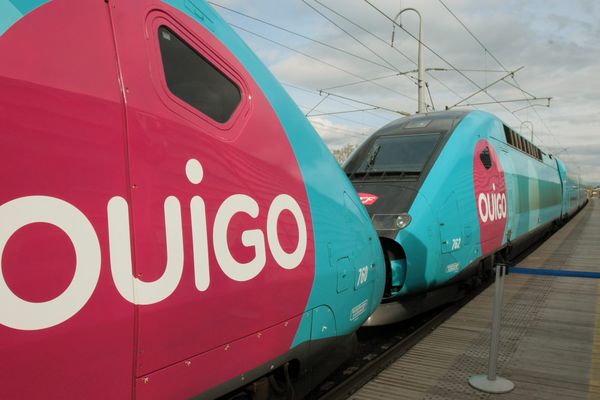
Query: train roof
442, 121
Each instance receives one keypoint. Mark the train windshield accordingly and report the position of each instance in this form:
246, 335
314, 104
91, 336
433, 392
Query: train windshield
402, 154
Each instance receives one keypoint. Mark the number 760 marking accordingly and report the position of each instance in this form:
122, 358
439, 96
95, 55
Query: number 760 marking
363, 274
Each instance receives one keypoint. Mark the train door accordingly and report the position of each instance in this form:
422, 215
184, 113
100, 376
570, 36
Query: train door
509, 175
220, 287
65, 332
451, 235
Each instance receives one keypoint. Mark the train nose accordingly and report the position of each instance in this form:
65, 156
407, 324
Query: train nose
366, 258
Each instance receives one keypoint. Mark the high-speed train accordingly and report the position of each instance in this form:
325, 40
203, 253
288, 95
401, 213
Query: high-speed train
171, 225
446, 191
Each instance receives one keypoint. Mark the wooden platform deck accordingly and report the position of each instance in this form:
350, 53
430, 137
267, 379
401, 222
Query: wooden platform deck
550, 337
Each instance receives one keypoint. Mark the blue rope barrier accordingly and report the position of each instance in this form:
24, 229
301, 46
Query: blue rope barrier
554, 272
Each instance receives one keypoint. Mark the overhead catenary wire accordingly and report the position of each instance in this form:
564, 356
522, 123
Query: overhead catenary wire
352, 121
350, 132
508, 101
351, 36
430, 98
483, 89
381, 65
406, 73
316, 105
317, 59
440, 57
330, 46
473, 36
344, 112
516, 85
368, 104
366, 80
382, 40
348, 103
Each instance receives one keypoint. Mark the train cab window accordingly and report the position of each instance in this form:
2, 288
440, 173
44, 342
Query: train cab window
193, 79
486, 158
394, 155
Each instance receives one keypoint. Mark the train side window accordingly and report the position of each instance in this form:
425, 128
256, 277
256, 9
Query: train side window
521, 143
193, 79
507, 134
486, 158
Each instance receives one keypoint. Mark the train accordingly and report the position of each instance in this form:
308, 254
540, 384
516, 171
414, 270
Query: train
448, 192
171, 225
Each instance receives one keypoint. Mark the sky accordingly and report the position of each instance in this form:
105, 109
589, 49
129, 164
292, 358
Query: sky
342, 47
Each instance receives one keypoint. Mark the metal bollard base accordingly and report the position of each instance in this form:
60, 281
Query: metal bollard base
499, 385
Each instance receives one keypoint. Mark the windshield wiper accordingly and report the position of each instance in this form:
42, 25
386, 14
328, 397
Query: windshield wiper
372, 158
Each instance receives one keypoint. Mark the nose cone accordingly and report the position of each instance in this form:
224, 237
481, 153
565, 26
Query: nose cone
365, 252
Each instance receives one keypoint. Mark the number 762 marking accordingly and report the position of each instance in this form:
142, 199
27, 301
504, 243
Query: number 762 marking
456, 244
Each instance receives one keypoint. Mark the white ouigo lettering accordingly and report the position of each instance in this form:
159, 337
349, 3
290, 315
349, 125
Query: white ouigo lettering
21, 314
138, 291
279, 204
492, 206
250, 238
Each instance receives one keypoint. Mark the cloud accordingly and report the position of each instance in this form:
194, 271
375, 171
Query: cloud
557, 43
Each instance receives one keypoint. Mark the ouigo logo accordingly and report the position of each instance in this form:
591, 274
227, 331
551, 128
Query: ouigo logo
18, 313
490, 196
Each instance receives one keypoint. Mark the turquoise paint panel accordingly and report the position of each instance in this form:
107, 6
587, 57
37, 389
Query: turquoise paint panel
562, 170
398, 268
11, 11
420, 241
328, 189
344, 274
537, 193
9, 15
323, 323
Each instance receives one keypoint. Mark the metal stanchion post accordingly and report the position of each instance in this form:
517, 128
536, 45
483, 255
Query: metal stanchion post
491, 383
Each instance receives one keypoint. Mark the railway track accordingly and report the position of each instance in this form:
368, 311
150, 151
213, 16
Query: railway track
374, 349
378, 347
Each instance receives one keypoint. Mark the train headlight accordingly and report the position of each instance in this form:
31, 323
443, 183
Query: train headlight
391, 221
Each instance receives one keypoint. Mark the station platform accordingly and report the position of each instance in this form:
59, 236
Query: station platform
550, 336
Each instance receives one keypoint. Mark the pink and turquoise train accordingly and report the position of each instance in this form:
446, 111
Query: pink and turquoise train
171, 225
447, 191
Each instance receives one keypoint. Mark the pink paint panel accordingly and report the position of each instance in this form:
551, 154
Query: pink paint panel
490, 195
190, 377
61, 136
251, 156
